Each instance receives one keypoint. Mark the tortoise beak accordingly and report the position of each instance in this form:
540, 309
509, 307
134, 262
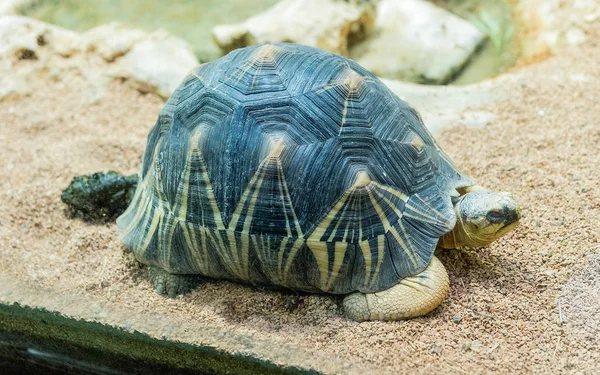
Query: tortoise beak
511, 211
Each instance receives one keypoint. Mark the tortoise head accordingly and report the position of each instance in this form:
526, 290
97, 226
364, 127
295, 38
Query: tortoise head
481, 218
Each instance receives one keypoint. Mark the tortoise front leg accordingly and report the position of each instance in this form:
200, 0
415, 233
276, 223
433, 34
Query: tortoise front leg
170, 284
413, 296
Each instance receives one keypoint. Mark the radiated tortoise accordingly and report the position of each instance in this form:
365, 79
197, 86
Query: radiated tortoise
286, 165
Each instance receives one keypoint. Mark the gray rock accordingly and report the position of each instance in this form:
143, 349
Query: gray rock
111, 40
416, 41
26, 46
446, 106
11, 7
327, 24
157, 63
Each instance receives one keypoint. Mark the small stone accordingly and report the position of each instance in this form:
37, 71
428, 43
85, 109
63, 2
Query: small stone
457, 318
575, 36
436, 349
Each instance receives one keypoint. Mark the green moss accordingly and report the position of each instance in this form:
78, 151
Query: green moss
99, 197
88, 345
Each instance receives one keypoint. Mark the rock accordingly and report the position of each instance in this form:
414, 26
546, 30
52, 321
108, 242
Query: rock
99, 197
155, 62
112, 40
25, 38
331, 25
416, 41
556, 24
9, 7
446, 106
26, 46
158, 63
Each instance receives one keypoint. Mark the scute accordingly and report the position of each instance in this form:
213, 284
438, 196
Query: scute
284, 164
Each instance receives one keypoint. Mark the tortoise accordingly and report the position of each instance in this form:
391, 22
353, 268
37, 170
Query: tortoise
286, 165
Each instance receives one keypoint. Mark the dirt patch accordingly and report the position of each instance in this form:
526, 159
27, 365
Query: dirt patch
579, 302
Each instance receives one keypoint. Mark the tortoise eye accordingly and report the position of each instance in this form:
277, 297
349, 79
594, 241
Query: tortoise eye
495, 217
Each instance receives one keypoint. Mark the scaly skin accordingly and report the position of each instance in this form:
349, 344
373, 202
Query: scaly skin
413, 296
170, 284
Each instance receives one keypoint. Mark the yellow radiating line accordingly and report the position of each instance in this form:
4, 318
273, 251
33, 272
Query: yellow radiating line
260, 64
224, 251
190, 239
360, 235
254, 184
135, 198
248, 221
158, 211
287, 194
245, 249
236, 216
431, 208
380, 251
319, 250
182, 199
195, 74
403, 245
325, 223
282, 246
365, 247
425, 218
409, 241
205, 243
153, 224
344, 116
141, 206
142, 218
262, 250
332, 85
250, 214
348, 222
393, 191
201, 248
141, 193
288, 263
339, 221
216, 212
339, 253
389, 202
384, 220
280, 186
233, 254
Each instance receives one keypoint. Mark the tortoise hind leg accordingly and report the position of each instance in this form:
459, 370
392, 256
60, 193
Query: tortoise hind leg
169, 284
413, 296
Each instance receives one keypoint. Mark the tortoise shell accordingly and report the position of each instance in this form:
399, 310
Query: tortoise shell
288, 165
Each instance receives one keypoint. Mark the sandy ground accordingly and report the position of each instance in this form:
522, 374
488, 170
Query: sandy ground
527, 304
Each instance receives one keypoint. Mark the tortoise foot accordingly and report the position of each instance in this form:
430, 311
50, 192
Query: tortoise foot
413, 296
169, 284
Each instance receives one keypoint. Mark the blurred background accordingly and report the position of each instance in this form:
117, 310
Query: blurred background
496, 50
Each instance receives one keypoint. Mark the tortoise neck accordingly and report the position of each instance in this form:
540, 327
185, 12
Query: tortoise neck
456, 238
